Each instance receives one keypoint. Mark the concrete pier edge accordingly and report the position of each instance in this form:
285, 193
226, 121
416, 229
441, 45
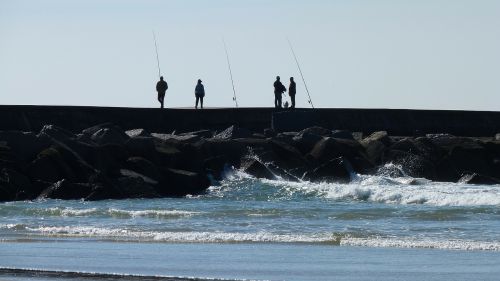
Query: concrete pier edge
404, 122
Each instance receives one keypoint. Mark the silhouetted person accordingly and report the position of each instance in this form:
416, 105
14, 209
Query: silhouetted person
161, 88
279, 89
199, 92
292, 90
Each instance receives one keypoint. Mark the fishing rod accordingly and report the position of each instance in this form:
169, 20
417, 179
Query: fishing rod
300, 71
157, 58
230, 73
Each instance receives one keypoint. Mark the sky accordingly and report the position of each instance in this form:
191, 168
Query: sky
426, 54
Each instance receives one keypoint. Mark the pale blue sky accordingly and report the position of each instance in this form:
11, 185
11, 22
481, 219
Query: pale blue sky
438, 54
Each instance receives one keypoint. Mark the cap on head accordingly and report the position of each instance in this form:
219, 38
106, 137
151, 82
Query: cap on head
199, 81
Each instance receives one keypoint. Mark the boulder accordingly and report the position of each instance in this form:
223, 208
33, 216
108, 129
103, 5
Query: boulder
380, 136
478, 179
319, 131
49, 167
142, 147
201, 134
413, 165
375, 146
92, 130
335, 170
19, 184
111, 135
306, 141
287, 156
340, 134
138, 133
66, 190
135, 187
330, 148
144, 167
57, 133
216, 166
234, 132
269, 133
182, 183
24, 145
256, 169
497, 137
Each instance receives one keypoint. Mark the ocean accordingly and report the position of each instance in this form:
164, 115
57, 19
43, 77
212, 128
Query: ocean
374, 228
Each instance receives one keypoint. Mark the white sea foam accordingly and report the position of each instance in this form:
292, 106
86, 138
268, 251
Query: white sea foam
263, 237
70, 212
151, 213
404, 190
177, 237
421, 243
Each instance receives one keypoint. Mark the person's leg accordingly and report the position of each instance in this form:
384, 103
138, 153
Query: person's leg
201, 102
197, 99
292, 97
275, 100
280, 104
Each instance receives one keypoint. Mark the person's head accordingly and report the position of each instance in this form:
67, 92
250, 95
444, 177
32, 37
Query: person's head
277, 78
291, 79
199, 81
161, 78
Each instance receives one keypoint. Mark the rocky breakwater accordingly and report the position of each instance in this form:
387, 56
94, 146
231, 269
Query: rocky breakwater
106, 162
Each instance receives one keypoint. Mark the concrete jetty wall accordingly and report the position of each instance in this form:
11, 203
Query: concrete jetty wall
395, 121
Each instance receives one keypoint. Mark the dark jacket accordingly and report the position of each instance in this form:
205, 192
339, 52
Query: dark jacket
199, 91
279, 88
161, 86
292, 90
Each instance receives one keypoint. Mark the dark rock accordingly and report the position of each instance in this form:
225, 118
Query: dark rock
182, 183
413, 165
497, 137
138, 133
330, 148
279, 172
25, 146
136, 187
358, 136
335, 170
143, 147
305, 141
133, 174
380, 136
269, 133
216, 166
256, 169
201, 134
57, 133
66, 190
319, 131
92, 130
177, 138
258, 136
234, 132
375, 146
144, 167
478, 179
340, 134
49, 167
19, 183
287, 156
112, 135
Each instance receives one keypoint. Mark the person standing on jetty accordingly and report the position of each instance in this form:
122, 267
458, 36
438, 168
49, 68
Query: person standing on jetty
292, 90
161, 88
199, 92
279, 89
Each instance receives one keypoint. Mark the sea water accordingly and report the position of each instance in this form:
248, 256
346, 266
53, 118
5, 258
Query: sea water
375, 227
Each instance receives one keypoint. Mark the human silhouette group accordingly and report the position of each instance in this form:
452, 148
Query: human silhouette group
199, 93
